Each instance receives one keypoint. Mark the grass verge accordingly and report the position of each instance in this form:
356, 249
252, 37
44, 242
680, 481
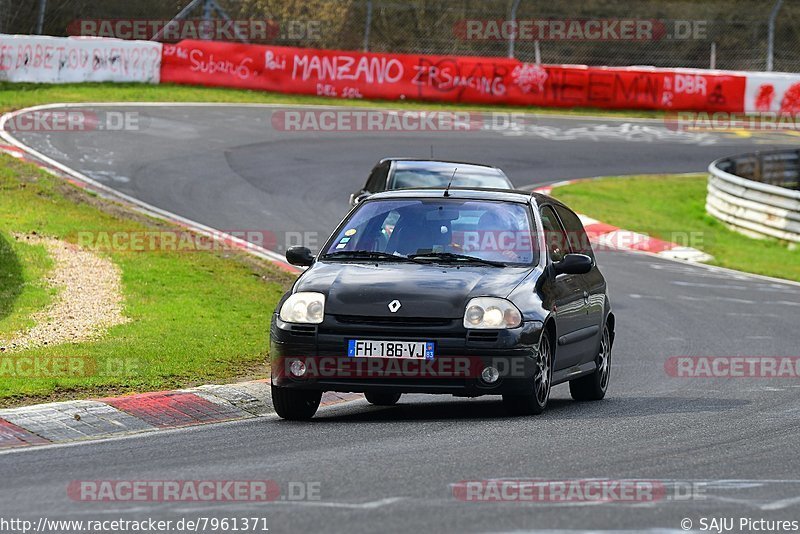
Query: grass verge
23, 290
20, 95
671, 207
196, 317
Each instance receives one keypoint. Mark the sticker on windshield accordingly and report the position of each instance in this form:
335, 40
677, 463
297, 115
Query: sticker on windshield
351, 232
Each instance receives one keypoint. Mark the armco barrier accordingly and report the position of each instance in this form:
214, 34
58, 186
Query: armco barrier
479, 80
757, 194
34, 58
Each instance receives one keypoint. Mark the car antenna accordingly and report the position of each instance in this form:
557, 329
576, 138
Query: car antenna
447, 191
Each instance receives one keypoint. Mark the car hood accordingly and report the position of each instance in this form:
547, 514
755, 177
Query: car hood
428, 290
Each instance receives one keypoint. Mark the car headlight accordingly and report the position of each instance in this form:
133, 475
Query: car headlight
491, 313
304, 307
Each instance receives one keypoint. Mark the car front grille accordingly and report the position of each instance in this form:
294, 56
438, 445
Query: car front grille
393, 321
482, 336
391, 327
303, 330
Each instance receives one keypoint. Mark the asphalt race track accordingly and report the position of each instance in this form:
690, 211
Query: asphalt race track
393, 468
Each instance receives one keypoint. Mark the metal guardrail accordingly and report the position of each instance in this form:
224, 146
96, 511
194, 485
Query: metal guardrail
757, 194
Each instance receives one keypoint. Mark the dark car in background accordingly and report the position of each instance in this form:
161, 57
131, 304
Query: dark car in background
459, 291
406, 173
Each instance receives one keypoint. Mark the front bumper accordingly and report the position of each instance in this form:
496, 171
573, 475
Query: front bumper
460, 356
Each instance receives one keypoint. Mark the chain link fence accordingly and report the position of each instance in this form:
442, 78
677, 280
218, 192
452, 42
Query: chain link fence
731, 34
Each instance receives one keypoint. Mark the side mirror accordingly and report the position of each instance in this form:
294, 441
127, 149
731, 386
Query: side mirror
574, 264
355, 198
299, 256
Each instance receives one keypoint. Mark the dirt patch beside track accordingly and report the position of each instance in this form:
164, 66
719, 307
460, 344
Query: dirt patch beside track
89, 299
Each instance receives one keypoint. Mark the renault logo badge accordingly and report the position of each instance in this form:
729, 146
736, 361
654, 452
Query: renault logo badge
394, 306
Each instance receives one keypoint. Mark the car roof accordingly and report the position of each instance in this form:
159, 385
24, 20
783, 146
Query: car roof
506, 195
438, 161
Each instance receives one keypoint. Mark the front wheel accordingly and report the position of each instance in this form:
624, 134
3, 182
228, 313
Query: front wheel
534, 402
295, 404
382, 399
593, 387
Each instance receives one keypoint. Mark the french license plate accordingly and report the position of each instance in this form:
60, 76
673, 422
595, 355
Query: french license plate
409, 350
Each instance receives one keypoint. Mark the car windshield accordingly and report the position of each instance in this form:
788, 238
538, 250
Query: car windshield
410, 175
440, 229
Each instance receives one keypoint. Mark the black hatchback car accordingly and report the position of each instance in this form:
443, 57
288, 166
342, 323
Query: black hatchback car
463, 291
406, 173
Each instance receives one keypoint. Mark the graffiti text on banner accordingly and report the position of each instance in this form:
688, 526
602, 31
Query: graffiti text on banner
63, 60
450, 79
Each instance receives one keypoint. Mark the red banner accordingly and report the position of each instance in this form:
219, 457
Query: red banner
479, 80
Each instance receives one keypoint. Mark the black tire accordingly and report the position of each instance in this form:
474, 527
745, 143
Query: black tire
535, 402
295, 404
593, 387
382, 399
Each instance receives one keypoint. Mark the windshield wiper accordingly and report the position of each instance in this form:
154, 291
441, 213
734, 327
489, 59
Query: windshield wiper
455, 257
367, 255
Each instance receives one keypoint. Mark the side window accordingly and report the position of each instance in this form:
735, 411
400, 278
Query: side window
576, 235
555, 240
377, 178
